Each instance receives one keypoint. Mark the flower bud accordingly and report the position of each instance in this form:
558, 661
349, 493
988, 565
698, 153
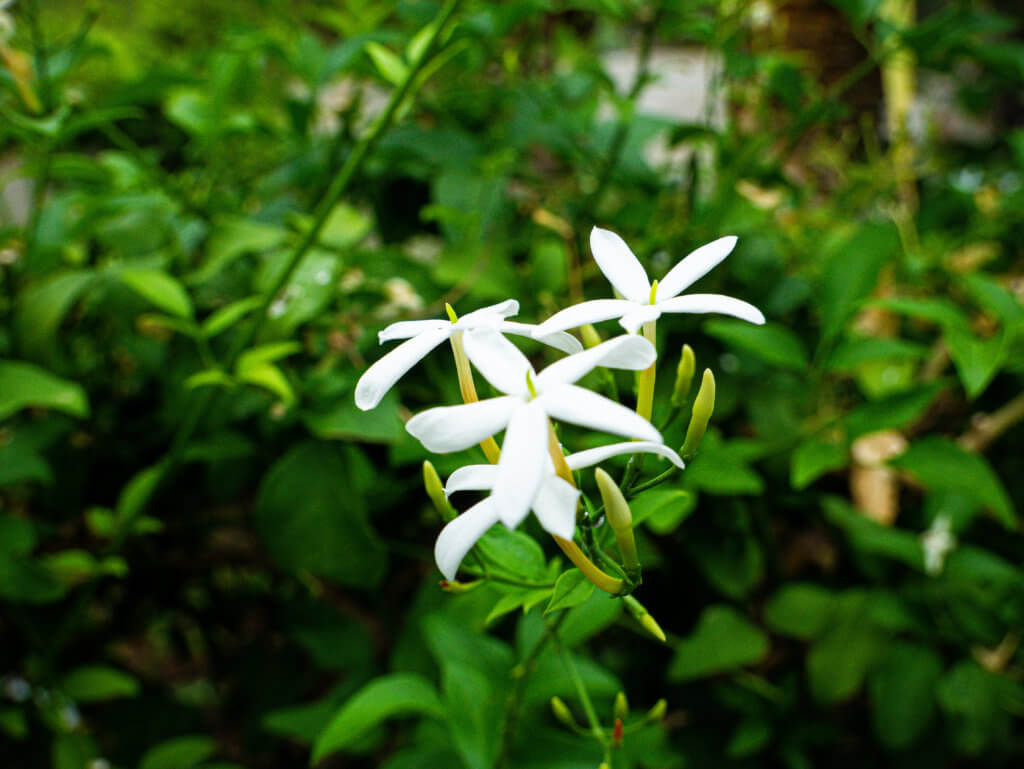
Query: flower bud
658, 711
619, 517
684, 376
590, 336
641, 615
621, 710
562, 712
703, 406
617, 733
435, 490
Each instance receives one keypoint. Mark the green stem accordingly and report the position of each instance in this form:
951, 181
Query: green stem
515, 700
581, 689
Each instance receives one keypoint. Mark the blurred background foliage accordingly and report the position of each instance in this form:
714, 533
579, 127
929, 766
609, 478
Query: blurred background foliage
839, 570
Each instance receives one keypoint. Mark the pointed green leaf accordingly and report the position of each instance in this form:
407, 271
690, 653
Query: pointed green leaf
23, 385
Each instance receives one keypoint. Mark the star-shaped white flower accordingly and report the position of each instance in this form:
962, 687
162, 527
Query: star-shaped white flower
554, 503
529, 400
641, 303
424, 335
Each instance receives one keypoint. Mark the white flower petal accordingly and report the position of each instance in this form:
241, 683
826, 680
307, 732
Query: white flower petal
588, 409
409, 328
521, 467
453, 428
634, 320
695, 266
382, 375
500, 361
505, 309
726, 305
559, 339
458, 536
628, 352
594, 456
583, 313
555, 507
471, 478
620, 265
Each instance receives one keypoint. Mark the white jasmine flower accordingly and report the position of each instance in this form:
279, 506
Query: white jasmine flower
424, 335
938, 541
554, 504
530, 400
642, 302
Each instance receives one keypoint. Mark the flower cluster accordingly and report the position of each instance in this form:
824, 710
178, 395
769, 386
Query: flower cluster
530, 470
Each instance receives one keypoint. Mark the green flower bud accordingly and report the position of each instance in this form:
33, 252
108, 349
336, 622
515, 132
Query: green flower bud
590, 336
619, 517
641, 615
621, 709
562, 712
684, 376
435, 490
658, 711
703, 406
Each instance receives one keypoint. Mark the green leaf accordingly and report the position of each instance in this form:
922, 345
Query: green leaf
902, 689
842, 656
137, 492
977, 360
891, 413
774, 344
749, 738
851, 273
97, 682
970, 696
474, 703
390, 696
388, 64
311, 520
231, 238
869, 536
941, 465
345, 421
662, 509
854, 353
159, 288
269, 377
23, 385
20, 463
813, 458
571, 589
211, 377
17, 535
308, 292
723, 641
227, 316
513, 552
267, 353
179, 753
800, 610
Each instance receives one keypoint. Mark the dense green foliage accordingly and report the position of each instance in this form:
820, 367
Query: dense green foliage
209, 557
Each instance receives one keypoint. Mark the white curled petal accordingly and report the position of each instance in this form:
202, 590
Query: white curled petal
583, 313
521, 467
695, 266
453, 428
405, 329
725, 305
505, 309
382, 375
588, 409
471, 478
629, 352
458, 536
559, 339
500, 361
555, 507
620, 265
635, 319
591, 457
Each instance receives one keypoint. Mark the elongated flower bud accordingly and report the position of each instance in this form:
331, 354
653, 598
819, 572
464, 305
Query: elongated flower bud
684, 376
658, 711
562, 712
621, 710
454, 586
590, 336
619, 517
641, 615
435, 490
703, 406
